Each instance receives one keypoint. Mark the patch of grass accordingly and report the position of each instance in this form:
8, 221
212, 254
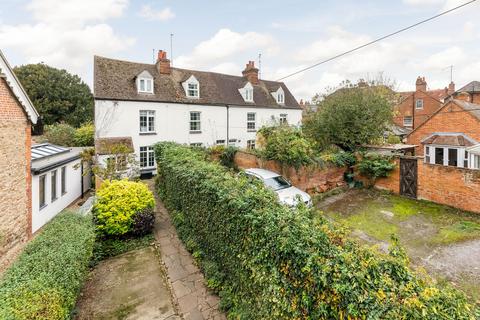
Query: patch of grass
403, 208
106, 248
460, 231
371, 223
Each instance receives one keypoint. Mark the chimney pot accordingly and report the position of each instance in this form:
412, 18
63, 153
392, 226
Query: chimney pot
251, 73
451, 88
421, 84
163, 64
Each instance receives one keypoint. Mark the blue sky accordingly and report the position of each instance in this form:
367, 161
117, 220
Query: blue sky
223, 35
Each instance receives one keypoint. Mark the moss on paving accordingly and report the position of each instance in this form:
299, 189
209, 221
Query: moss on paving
381, 214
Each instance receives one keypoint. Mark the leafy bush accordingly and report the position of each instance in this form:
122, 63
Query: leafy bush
45, 280
117, 204
61, 134
287, 145
268, 261
340, 158
374, 166
110, 247
393, 139
227, 157
85, 135
143, 222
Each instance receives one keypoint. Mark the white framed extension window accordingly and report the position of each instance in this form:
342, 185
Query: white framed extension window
427, 154
283, 118
42, 191
147, 157
408, 121
251, 121
147, 121
53, 189
475, 162
419, 104
195, 122
446, 156
63, 173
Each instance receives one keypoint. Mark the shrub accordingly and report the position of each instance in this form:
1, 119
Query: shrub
268, 261
340, 158
45, 280
143, 222
286, 145
374, 166
60, 134
117, 204
85, 135
227, 157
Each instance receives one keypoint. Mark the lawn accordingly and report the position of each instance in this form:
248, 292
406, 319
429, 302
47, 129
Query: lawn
443, 240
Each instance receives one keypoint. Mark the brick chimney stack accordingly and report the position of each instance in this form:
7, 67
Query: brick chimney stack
163, 64
421, 84
251, 73
451, 88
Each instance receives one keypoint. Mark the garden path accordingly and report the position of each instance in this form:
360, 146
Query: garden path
193, 299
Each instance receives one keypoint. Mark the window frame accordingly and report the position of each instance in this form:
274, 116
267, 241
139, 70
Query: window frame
195, 122
251, 124
150, 119
42, 191
147, 85
196, 90
63, 180
427, 158
148, 155
251, 144
475, 162
53, 185
283, 118
417, 105
405, 123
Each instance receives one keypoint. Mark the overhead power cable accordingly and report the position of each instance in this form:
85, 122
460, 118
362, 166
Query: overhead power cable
377, 40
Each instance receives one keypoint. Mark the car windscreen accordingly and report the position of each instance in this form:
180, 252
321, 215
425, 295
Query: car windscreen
277, 183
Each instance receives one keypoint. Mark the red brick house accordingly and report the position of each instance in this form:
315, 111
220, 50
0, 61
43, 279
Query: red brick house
414, 108
469, 93
17, 115
451, 136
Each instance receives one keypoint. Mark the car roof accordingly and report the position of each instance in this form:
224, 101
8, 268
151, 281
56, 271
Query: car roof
262, 173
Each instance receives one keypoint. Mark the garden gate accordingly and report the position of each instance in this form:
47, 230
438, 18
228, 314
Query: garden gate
408, 177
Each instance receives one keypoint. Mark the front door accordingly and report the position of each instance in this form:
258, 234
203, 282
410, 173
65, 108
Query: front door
408, 177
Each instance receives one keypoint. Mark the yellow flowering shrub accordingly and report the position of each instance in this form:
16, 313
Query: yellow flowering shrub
117, 204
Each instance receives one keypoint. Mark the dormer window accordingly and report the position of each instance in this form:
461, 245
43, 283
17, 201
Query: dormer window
279, 96
192, 88
247, 92
145, 82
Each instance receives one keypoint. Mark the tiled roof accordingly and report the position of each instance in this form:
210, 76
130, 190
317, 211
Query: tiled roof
104, 146
438, 94
473, 108
458, 140
115, 79
473, 86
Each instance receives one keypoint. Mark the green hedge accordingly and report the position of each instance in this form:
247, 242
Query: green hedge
271, 262
45, 280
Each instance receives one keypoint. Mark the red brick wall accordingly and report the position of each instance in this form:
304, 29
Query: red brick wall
15, 179
407, 108
310, 179
446, 121
456, 187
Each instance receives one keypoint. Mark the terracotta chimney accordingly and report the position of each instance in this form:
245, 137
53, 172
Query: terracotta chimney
163, 64
421, 84
451, 88
251, 73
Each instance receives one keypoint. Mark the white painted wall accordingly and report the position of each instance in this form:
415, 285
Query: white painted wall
73, 182
172, 121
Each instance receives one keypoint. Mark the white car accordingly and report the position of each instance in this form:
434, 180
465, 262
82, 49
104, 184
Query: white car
287, 194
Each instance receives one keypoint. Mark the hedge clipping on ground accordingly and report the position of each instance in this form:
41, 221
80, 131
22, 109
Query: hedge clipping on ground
271, 262
45, 280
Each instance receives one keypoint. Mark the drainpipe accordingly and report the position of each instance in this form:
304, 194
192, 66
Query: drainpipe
81, 178
228, 124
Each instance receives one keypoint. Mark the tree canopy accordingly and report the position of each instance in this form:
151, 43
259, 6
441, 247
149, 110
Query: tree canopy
351, 116
57, 95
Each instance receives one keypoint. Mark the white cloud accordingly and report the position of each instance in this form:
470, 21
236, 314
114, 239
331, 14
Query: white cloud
226, 44
149, 13
445, 58
444, 4
67, 33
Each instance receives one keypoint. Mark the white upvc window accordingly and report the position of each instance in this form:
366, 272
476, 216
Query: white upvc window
53, 187
145, 82
475, 161
251, 144
192, 88
147, 121
283, 118
64, 180
196, 144
251, 121
428, 158
446, 156
42, 191
419, 104
279, 96
407, 121
247, 92
195, 122
147, 157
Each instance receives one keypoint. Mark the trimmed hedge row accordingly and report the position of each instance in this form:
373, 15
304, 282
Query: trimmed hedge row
271, 262
45, 280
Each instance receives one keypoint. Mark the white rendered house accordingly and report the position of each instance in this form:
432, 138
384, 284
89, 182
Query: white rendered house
155, 102
58, 179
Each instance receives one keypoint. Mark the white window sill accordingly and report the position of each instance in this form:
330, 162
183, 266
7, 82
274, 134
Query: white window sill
147, 133
196, 132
